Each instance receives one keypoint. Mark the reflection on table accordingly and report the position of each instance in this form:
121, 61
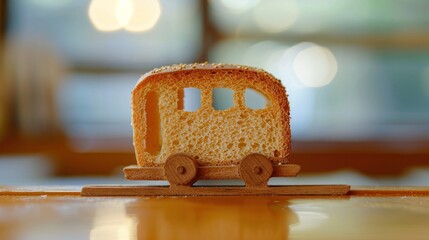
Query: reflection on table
73, 217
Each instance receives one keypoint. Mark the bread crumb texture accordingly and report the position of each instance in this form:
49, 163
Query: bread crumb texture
212, 137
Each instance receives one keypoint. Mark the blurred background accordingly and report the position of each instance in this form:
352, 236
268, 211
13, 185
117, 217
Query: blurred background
357, 75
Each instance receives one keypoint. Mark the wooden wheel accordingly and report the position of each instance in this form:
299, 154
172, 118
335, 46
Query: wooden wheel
180, 170
255, 169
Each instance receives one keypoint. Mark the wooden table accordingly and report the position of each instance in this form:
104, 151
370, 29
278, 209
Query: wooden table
366, 213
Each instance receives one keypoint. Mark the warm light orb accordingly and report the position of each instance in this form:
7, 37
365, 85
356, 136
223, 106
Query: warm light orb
124, 11
315, 66
276, 15
145, 16
132, 15
102, 14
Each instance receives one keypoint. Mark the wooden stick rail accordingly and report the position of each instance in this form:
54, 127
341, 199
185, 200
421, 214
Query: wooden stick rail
296, 190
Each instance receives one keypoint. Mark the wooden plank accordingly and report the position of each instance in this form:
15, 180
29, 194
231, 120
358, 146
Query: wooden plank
135, 172
293, 190
286, 170
40, 191
217, 172
389, 191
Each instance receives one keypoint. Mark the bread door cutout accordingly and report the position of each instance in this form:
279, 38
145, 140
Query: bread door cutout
153, 124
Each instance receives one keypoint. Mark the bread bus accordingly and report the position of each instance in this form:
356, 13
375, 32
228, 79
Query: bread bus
210, 121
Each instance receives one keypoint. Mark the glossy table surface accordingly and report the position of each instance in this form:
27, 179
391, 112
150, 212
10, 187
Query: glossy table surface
37, 213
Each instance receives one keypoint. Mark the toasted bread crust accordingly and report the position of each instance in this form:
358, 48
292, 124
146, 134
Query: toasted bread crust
210, 135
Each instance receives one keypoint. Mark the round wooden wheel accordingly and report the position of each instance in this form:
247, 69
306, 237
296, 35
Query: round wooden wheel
180, 170
255, 169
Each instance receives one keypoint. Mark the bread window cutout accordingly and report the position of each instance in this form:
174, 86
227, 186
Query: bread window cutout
223, 98
255, 99
189, 99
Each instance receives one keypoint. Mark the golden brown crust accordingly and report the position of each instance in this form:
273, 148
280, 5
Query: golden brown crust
197, 66
167, 80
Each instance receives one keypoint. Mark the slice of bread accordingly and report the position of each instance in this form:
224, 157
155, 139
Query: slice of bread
213, 137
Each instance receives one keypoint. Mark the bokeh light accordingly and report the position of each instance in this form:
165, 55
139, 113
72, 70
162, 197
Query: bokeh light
124, 11
308, 64
146, 15
276, 15
103, 15
132, 15
315, 66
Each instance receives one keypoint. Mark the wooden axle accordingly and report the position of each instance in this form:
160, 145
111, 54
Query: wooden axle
135, 172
